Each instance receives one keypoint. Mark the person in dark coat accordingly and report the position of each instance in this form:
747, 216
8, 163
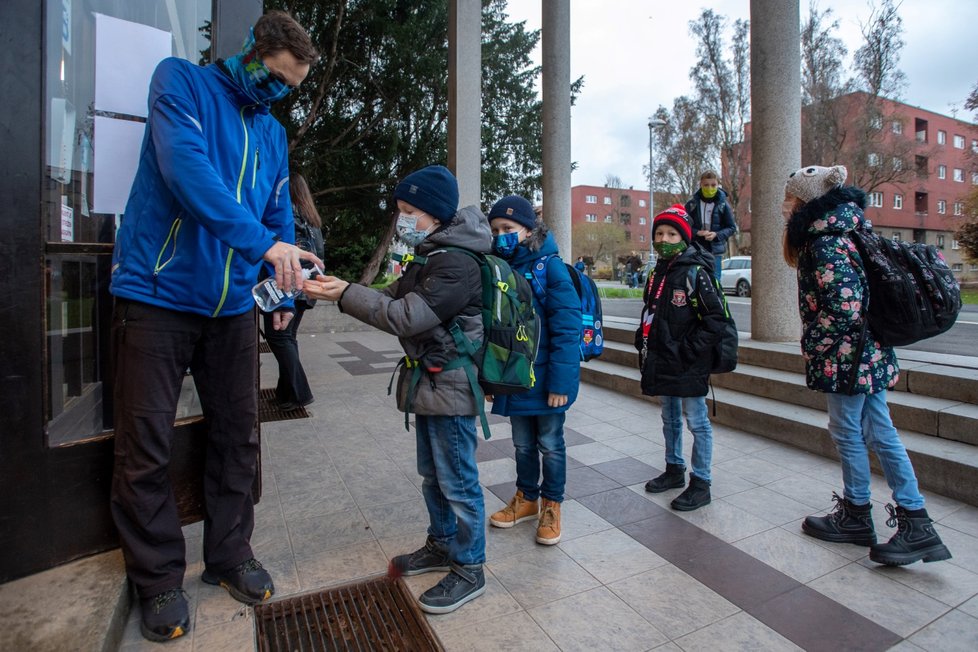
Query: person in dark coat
712, 218
441, 287
849, 365
682, 320
537, 415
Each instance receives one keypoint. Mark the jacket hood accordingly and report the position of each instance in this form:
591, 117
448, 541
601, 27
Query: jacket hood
469, 229
819, 217
540, 242
233, 90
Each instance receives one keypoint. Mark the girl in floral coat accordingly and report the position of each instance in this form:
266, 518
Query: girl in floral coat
844, 360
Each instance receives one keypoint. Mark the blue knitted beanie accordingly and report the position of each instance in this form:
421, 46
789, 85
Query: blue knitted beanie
514, 208
433, 189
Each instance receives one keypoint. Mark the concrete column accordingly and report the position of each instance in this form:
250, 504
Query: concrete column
230, 24
465, 98
775, 92
555, 25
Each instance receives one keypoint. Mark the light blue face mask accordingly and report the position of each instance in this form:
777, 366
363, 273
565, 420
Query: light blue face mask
505, 244
407, 230
253, 76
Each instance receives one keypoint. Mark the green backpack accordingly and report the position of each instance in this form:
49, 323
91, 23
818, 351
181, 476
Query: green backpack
501, 362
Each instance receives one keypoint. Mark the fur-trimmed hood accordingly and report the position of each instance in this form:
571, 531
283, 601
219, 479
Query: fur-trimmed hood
803, 223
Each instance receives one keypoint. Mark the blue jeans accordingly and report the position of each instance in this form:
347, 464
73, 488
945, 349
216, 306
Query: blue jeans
698, 420
533, 435
456, 510
861, 422
717, 265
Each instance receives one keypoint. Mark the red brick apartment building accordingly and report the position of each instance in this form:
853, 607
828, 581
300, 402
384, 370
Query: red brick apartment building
928, 205
621, 208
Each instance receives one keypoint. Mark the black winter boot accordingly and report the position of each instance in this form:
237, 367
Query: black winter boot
697, 495
915, 539
849, 523
673, 478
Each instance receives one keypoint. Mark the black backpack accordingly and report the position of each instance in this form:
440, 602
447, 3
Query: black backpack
725, 350
912, 293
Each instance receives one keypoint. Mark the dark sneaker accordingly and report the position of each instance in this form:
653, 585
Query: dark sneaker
165, 616
697, 495
426, 559
462, 584
673, 478
915, 539
247, 582
848, 523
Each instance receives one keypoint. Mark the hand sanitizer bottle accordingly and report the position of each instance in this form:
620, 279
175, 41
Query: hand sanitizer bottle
268, 296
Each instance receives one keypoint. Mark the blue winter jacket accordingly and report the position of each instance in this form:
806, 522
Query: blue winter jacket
558, 364
209, 198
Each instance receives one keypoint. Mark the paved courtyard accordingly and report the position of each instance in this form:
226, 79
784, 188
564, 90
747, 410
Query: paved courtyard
341, 496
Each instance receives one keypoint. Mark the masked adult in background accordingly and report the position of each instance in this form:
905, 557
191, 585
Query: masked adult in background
713, 220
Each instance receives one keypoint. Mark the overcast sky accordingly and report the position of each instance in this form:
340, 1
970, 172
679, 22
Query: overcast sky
636, 55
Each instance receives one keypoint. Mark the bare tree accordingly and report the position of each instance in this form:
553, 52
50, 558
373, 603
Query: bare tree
684, 147
600, 242
877, 60
822, 58
722, 86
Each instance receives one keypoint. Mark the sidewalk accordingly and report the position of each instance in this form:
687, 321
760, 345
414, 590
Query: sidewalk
341, 496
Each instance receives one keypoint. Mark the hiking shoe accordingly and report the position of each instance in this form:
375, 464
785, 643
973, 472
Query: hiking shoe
429, 557
915, 539
848, 523
165, 616
697, 495
548, 529
518, 510
247, 582
673, 478
462, 584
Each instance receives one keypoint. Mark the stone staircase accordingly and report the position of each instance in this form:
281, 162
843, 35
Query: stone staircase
934, 407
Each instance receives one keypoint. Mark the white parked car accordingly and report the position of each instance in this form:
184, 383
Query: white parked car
735, 275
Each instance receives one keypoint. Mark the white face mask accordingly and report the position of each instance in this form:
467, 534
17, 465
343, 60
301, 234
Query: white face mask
407, 230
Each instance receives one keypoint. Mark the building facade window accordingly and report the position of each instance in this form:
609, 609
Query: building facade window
941, 207
898, 201
955, 245
590, 217
897, 163
873, 159
625, 201
897, 127
641, 237
940, 242
608, 219
959, 208
641, 203
607, 201
876, 199
641, 221
958, 142
897, 236
957, 267
974, 178
590, 199
959, 175
942, 172
941, 137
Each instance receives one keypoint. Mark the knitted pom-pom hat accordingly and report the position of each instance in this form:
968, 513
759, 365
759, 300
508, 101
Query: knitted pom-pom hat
676, 217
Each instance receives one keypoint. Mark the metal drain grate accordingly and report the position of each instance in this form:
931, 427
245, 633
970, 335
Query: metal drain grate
268, 409
263, 347
378, 614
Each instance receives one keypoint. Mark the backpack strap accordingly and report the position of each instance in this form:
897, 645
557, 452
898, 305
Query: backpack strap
537, 277
466, 361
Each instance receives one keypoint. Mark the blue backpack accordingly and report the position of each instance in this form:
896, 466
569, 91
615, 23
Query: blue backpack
592, 333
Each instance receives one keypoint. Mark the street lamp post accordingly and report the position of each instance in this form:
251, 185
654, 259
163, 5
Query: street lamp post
654, 123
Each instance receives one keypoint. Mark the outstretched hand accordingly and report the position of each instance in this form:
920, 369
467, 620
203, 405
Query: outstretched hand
329, 288
288, 267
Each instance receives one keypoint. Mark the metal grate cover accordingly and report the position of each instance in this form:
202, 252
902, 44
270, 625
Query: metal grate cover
263, 347
376, 615
268, 409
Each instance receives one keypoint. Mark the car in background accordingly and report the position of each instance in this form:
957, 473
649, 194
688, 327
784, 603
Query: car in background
735, 275
643, 274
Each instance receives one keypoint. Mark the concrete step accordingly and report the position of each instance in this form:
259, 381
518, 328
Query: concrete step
944, 466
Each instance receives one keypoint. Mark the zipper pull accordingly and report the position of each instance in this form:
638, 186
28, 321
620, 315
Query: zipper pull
257, 159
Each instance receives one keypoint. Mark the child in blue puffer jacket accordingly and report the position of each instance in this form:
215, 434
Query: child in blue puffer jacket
537, 416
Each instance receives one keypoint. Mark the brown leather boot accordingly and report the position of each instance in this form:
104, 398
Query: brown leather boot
518, 510
548, 530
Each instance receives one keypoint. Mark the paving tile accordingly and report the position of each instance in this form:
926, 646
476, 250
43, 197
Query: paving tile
237, 635
755, 469
541, 575
504, 491
497, 471
792, 554
573, 437
620, 506
724, 483
880, 599
215, 607
341, 565
639, 424
769, 505
953, 632
594, 620
611, 555
627, 471
726, 521
817, 494
515, 632
311, 536
506, 542
576, 520
487, 451
318, 500
593, 453
605, 431
391, 488
824, 625
950, 584
963, 520
738, 632
635, 445
584, 481
672, 601
791, 458
409, 517
970, 607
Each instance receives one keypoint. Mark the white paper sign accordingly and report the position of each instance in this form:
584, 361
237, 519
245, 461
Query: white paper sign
126, 54
61, 139
117, 144
67, 224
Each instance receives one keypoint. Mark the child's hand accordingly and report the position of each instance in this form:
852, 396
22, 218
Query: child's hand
557, 400
488, 398
329, 288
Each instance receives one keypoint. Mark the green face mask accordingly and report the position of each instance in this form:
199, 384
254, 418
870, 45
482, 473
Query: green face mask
709, 193
669, 249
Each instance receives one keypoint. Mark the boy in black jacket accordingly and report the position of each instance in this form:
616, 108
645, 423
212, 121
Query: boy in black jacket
682, 320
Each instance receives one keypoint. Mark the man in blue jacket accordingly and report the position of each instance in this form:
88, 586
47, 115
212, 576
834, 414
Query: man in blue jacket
209, 203
713, 220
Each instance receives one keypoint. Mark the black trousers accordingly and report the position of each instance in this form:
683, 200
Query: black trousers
152, 348
293, 386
